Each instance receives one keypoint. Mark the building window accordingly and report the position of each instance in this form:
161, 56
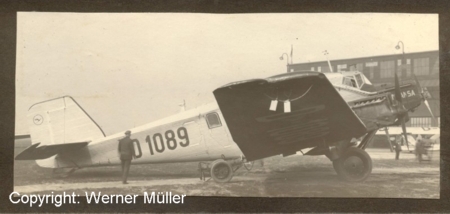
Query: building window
439, 121
404, 67
422, 66
420, 121
312, 68
213, 120
359, 67
369, 71
387, 69
319, 69
435, 69
371, 64
341, 67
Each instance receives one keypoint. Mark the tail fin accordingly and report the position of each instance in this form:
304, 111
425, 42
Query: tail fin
60, 121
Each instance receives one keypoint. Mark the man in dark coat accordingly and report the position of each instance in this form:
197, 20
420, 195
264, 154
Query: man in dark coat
126, 153
397, 148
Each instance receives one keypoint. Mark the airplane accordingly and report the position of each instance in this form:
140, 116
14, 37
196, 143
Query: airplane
430, 134
250, 120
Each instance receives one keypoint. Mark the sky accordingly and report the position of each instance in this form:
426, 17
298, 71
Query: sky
128, 69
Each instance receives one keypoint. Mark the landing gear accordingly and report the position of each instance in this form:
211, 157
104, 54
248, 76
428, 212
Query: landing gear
62, 172
221, 171
354, 165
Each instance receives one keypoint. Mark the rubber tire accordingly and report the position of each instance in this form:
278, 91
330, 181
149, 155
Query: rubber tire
221, 166
349, 153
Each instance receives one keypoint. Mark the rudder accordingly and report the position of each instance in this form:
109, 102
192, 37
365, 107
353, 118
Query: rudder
60, 121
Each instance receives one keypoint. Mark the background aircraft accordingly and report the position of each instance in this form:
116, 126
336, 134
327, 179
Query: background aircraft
413, 133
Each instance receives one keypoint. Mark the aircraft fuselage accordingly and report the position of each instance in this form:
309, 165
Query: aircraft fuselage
184, 137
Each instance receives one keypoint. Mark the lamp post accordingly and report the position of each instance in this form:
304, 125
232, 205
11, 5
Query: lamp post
287, 58
329, 64
398, 47
403, 52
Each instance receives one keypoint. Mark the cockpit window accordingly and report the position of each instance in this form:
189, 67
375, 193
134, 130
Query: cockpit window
355, 81
349, 81
359, 80
213, 120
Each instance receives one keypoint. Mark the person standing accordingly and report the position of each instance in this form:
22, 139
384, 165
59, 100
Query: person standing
420, 148
397, 148
126, 154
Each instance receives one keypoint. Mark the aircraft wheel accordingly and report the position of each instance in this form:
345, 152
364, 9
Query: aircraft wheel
355, 165
221, 171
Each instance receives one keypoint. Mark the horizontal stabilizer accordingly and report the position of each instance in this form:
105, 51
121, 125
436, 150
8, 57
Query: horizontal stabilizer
34, 152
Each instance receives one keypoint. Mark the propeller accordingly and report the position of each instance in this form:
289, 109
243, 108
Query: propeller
403, 113
422, 92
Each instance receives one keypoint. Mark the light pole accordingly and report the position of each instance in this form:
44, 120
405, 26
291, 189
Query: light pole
329, 64
287, 58
398, 47
403, 52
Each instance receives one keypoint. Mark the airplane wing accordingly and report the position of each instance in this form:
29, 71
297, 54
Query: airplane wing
285, 113
34, 152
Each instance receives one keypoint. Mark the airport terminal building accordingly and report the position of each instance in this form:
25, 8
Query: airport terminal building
380, 70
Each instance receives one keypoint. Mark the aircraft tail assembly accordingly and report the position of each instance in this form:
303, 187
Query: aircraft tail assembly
58, 125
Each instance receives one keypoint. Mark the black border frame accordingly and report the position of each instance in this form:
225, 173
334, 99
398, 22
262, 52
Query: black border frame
8, 19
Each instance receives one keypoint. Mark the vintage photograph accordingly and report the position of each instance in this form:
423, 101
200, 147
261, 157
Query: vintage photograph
340, 105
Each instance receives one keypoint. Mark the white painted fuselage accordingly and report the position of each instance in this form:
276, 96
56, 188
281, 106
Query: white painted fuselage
184, 137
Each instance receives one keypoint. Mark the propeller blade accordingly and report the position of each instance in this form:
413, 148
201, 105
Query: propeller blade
398, 95
422, 92
429, 109
418, 83
404, 130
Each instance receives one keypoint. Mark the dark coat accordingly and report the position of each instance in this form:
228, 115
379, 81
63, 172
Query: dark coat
126, 148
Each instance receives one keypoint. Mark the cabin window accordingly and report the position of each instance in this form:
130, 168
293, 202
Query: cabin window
213, 120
